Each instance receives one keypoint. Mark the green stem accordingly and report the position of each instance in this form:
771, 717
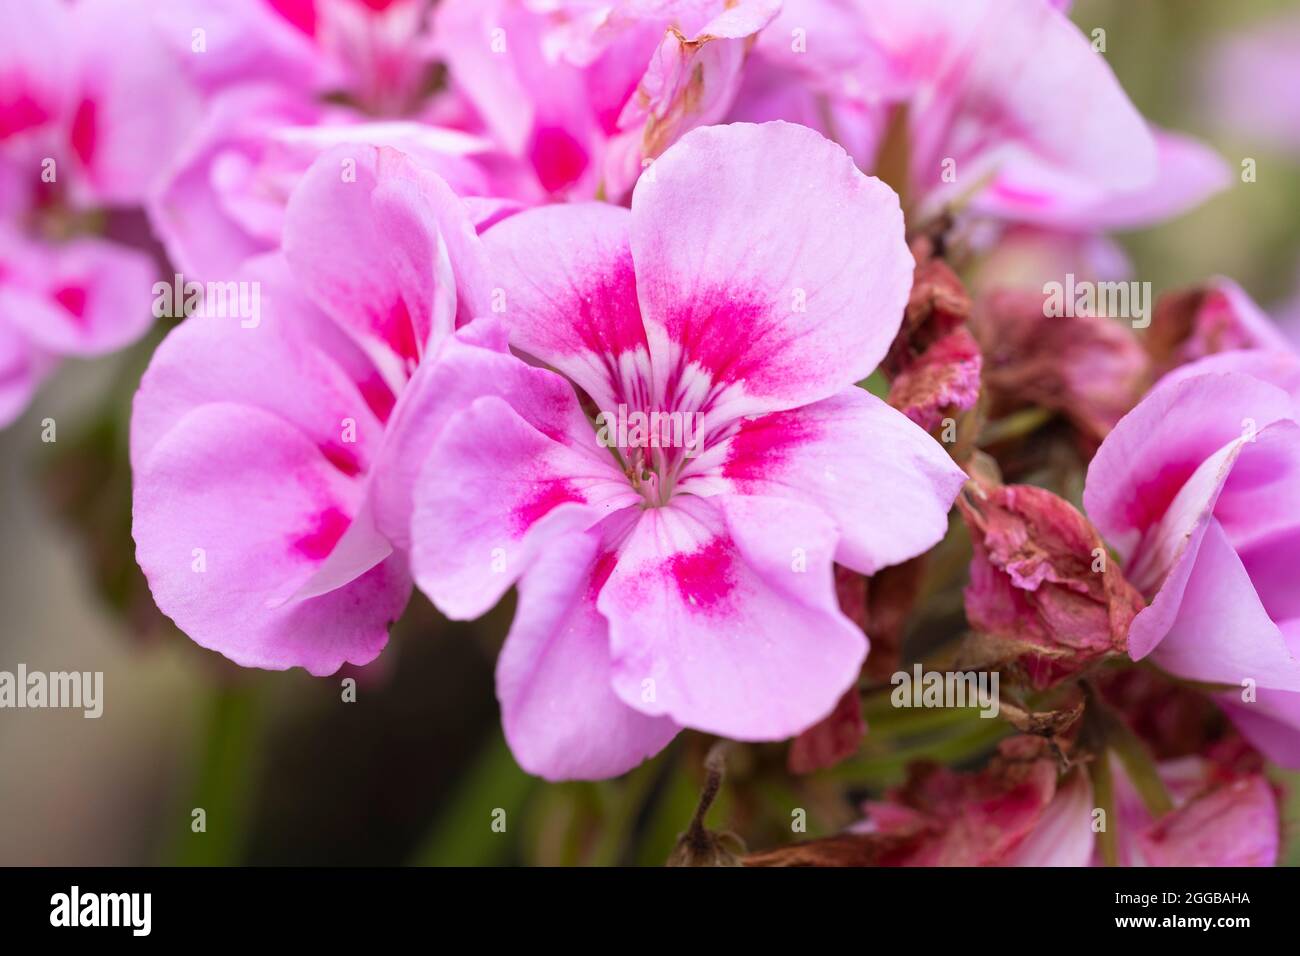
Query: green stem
1103, 790
495, 783
230, 745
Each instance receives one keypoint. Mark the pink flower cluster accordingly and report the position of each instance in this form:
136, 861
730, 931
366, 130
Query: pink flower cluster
481, 230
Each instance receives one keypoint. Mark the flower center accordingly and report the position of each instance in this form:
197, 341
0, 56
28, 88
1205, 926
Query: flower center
652, 447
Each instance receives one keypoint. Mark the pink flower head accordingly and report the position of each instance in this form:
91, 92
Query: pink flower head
89, 116
1198, 489
223, 200
375, 53
680, 575
584, 92
1004, 101
271, 453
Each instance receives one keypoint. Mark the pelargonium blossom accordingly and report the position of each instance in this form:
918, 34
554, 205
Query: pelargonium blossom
271, 459
375, 54
222, 201
586, 93
667, 581
1198, 489
89, 116
1001, 102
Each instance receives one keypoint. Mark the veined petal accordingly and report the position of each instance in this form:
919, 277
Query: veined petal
767, 261
886, 483
570, 295
234, 511
723, 616
493, 491
562, 718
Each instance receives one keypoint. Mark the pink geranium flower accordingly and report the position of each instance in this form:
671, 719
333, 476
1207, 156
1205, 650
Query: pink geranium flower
1198, 489
272, 458
585, 93
1000, 103
223, 200
684, 578
90, 113
374, 53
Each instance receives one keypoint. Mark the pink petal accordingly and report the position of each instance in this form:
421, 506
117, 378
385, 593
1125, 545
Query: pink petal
570, 295
1271, 722
1189, 174
887, 485
293, 365
806, 304
1151, 453
723, 616
83, 297
494, 491
386, 253
22, 367
35, 62
1063, 835
561, 717
266, 507
1233, 825
134, 107
1222, 633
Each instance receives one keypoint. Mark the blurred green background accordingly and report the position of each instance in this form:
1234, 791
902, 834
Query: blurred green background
414, 770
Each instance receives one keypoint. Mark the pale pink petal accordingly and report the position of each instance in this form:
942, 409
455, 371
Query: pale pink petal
569, 295
22, 368
1155, 449
886, 483
766, 259
690, 81
1189, 174
1063, 835
1000, 86
385, 248
292, 364
133, 108
234, 511
494, 490
723, 616
1235, 824
560, 714
1222, 634
1271, 721
35, 65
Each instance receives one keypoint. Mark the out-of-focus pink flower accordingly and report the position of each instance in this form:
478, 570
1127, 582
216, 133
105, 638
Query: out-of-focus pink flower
90, 113
587, 93
1040, 592
273, 452
668, 577
1198, 490
1002, 103
223, 200
375, 54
